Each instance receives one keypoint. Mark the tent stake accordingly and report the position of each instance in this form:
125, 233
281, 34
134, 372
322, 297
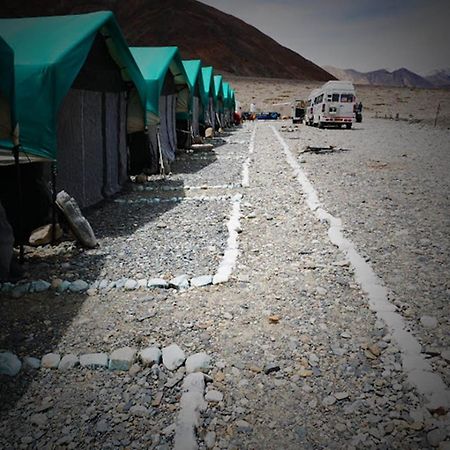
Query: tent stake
53, 170
20, 202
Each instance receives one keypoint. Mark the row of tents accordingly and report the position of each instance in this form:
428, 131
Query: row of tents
90, 110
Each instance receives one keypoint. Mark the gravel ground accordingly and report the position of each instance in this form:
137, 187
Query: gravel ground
391, 189
299, 357
174, 226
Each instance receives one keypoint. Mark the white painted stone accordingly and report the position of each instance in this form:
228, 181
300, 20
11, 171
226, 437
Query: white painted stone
214, 396
142, 283
94, 360
192, 404
228, 262
157, 283
122, 358
180, 282
201, 281
9, 364
31, 363
130, 285
103, 284
173, 357
150, 356
50, 361
199, 362
78, 286
39, 286
64, 285
68, 362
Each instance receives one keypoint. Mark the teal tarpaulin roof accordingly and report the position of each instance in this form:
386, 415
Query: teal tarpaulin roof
49, 52
154, 62
226, 95
233, 100
218, 88
194, 73
193, 68
218, 91
7, 90
208, 84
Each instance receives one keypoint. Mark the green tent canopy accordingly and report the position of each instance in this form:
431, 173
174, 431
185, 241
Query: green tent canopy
154, 63
208, 85
226, 95
233, 100
193, 71
218, 88
49, 53
7, 111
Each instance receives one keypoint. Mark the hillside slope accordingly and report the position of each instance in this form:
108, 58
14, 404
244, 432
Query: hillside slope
200, 31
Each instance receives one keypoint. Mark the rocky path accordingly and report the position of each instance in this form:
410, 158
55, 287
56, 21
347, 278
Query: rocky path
298, 359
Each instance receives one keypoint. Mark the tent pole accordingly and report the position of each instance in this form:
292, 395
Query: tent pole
53, 170
20, 202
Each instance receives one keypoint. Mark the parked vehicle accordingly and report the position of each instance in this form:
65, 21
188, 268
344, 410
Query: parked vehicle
268, 116
309, 114
298, 111
334, 104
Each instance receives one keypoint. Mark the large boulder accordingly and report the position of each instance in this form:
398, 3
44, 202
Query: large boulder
77, 222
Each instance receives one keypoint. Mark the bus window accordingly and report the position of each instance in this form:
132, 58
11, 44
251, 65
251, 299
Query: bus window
346, 98
335, 97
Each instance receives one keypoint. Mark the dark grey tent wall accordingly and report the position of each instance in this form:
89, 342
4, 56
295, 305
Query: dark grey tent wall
195, 115
92, 152
167, 113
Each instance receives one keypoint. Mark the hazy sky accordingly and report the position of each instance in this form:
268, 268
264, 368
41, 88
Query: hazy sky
359, 34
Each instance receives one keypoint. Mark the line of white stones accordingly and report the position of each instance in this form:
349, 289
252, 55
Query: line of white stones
229, 259
246, 165
418, 370
151, 188
201, 198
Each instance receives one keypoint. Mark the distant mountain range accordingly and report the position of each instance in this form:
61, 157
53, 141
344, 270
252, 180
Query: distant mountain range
401, 77
440, 78
200, 31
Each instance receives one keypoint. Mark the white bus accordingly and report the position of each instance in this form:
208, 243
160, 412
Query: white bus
309, 114
334, 104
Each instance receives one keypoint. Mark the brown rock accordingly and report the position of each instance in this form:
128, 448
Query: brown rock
43, 235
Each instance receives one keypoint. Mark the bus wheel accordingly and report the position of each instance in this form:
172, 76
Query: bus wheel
348, 126
321, 125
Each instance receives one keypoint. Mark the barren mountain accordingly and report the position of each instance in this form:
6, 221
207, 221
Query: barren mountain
200, 31
440, 78
401, 77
